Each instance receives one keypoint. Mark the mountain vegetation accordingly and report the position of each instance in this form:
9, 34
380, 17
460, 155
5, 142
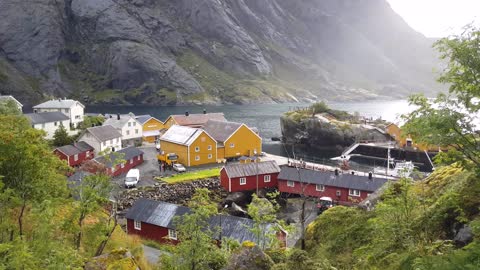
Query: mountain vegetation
189, 52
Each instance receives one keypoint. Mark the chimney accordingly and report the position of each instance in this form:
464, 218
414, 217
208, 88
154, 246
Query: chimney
187, 114
118, 116
110, 116
336, 172
370, 175
353, 173
204, 111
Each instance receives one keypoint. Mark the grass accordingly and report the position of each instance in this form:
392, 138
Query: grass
191, 176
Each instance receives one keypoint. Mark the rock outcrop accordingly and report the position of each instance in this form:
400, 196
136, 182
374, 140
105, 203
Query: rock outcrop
208, 51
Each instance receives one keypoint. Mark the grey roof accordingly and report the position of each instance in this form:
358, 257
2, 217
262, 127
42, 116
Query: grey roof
58, 104
6, 98
119, 123
104, 133
126, 154
181, 135
46, 117
221, 130
330, 179
78, 176
163, 214
75, 149
144, 118
249, 169
197, 120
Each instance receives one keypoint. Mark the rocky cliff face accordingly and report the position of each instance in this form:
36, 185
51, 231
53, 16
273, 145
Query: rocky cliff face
209, 51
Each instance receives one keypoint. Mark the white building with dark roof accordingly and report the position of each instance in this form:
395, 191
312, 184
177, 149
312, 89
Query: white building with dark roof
102, 138
130, 128
72, 108
48, 122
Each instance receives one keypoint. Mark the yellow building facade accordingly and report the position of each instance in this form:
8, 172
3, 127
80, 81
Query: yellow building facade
243, 142
151, 129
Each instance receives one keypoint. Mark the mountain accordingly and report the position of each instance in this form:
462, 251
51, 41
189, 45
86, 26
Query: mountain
210, 51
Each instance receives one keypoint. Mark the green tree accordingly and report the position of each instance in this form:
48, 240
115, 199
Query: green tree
197, 250
61, 137
264, 214
450, 120
9, 107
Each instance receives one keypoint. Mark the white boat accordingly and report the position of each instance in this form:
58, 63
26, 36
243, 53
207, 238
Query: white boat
395, 169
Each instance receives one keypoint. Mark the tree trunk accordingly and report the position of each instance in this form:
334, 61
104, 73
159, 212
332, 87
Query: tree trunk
104, 242
78, 239
302, 220
20, 218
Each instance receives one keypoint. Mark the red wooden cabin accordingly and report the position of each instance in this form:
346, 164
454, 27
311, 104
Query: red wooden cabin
242, 177
131, 155
75, 154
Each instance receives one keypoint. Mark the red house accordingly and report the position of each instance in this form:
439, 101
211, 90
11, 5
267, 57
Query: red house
131, 155
344, 189
75, 154
242, 177
156, 221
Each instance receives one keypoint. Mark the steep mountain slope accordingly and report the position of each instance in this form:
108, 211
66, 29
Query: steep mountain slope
209, 51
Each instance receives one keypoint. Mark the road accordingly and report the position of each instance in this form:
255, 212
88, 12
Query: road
152, 254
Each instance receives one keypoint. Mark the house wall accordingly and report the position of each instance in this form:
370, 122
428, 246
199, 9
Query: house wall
252, 182
76, 114
82, 157
152, 232
202, 142
169, 122
310, 191
129, 164
180, 150
132, 130
101, 146
152, 125
220, 153
115, 144
224, 180
245, 141
51, 127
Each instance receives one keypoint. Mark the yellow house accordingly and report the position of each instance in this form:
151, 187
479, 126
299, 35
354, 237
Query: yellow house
406, 140
234, 139
152, 128
193, 120
193, 146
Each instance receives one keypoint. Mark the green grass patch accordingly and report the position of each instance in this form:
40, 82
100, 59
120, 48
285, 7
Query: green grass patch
191, 176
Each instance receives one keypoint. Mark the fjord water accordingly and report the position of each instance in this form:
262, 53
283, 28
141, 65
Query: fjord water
266, 117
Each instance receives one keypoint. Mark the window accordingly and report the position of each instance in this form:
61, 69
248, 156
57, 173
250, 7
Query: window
354, 192
319, 187
290, 184
55, 123
75, 157
197, 149
129, 124
128, 132
172, 234
209, 156
209, 147
232, 145
243, 181
131, 161
339, 193
122, 165
66, 110
202, 139
116, 140
136, 131
134, 123
104, 143
88, 153
137, 225
197, 158
266, 178
77, 117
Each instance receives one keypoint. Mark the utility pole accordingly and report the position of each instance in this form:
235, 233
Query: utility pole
256, 165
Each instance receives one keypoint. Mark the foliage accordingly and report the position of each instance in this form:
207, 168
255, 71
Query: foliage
191, 176
449, 120
91, 121
196, 249
61, 137
319, 107
9, 107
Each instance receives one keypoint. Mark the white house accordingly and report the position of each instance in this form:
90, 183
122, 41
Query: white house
7, 98
72, 108
48, 121
129, 126
102, 138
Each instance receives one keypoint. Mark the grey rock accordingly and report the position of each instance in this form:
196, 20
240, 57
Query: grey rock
250, 259
239, 198
463, 236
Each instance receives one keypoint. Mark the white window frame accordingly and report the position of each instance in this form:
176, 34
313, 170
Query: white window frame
232, 145
172, 234
338, 193
267, 178
136, 131
209, 147
354, 192
197, 148
319, 187
134, 124
197, 158
128, 132
137, 225
131, 161
122, 165
210, 156
243, 181
129, 124
75, 157
290, 183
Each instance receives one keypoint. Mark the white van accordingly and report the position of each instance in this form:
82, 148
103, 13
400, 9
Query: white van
132, 178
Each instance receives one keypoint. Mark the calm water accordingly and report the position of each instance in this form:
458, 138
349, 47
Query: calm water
267, 117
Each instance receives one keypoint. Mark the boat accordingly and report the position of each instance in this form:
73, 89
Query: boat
396, 168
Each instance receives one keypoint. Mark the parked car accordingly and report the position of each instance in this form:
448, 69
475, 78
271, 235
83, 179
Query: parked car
323, 204
179, 167
132, 178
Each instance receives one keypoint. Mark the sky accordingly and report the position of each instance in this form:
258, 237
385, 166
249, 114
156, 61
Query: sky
437, 18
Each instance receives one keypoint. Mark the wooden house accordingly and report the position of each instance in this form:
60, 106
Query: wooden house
233, 139
75, 154
193, 120
242, 177
344, 189
102, 138
128, 126
156, 221
152, 128
193, 146
131, 156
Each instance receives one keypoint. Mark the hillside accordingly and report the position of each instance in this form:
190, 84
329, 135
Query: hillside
186, 51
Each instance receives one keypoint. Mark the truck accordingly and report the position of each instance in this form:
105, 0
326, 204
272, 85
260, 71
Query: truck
167, 159
132, 178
